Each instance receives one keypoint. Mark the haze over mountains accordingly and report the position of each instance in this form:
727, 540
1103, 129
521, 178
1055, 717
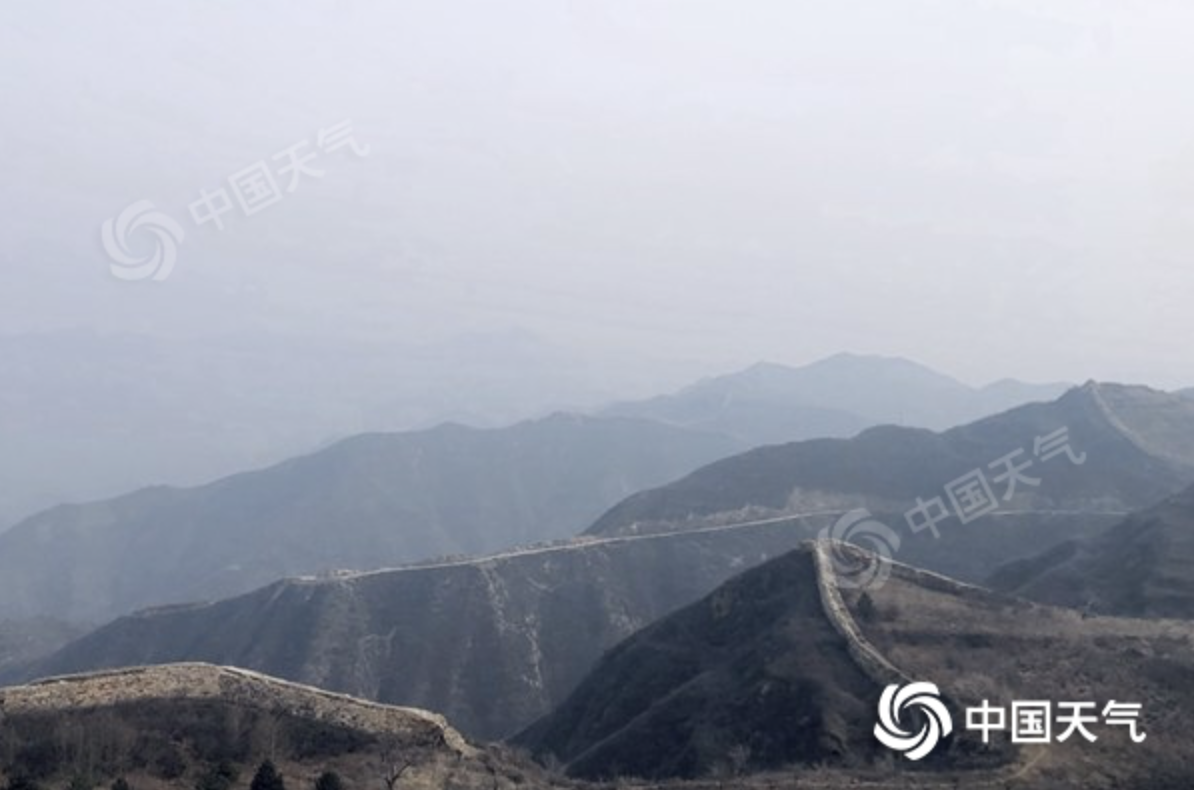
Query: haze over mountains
449, 395
85, 416
372, 501
672, 502
837, 396
495, 643
1138, 445
388, 499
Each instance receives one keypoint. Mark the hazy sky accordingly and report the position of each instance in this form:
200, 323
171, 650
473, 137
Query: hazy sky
986, 187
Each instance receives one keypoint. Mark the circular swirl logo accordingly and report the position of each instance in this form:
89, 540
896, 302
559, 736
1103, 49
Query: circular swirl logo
856, 569
923, 697
140, 217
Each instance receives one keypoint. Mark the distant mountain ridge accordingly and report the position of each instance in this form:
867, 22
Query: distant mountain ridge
377, 500
1139, 447
87, 416
838, 396
370, 501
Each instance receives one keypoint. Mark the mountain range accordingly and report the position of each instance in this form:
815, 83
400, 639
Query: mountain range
491, 643
87, 416
385, 499
496, 642
371, 501
1138, 443
1136, 446
834, 397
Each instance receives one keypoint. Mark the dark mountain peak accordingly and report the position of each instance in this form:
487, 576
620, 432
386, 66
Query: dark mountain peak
783, 667
758, 663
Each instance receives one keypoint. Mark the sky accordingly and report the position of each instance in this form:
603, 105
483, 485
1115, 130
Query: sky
994, 188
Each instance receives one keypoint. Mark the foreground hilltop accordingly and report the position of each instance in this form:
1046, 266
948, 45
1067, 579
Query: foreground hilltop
187, 722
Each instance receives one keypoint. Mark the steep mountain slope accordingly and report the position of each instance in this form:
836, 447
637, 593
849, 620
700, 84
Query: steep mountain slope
182, 723
367, 502
781, 666
754, 670
1136, 446
493, 644
1140, 568
836, 397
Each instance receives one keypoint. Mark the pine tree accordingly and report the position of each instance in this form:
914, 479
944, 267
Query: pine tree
267, 778
329, 780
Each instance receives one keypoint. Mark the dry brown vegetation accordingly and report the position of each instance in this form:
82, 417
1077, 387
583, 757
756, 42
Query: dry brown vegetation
177, 726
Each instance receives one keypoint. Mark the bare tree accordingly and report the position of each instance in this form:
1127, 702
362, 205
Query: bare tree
395, 762
399, 756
